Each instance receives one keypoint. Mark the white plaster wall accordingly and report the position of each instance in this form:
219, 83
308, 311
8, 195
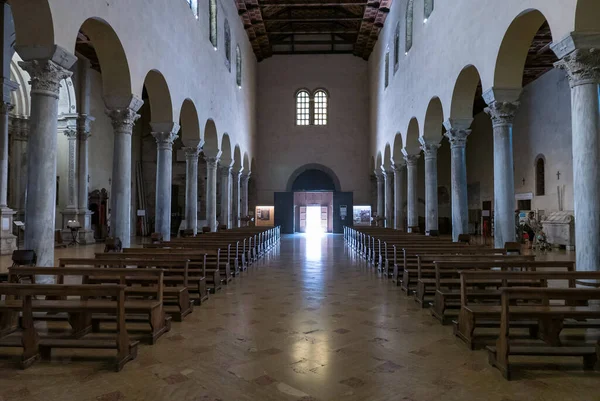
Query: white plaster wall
341, 145
165, 36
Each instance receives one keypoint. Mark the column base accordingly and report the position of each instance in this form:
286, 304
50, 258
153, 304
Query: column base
8, 241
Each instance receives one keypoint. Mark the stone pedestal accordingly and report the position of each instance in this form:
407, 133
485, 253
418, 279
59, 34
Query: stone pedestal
40, 208
165, 134
502, 114
123, 119
430, 148
580, 59
411, 198
191, 188
457, 136
399, 185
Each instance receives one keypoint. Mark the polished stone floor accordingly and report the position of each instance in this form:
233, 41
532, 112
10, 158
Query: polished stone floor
309, 322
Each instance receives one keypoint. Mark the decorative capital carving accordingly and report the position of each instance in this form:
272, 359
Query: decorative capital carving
20, 128
457, 137
191, 153
84, 126
6, 108
122, 119
411, 160
225, 171
211, 162
398, 167
582, 67
378, 174
71, 134
502, 113
164, 140
429, 148
45, 76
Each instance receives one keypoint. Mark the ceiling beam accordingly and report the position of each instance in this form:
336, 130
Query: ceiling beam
322, 32
359, 4
281, 52
332, 19
311, 42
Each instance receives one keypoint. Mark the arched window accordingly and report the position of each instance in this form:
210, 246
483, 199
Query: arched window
320, 114
409, 25
302, 108
540, 176
428, 9
387, 69
194, 6
212, 15
397, 47
227, 34
238, 66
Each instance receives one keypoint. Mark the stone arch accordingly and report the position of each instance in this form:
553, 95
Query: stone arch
387, 157
211, 139
314, 166
397, 150
512, 55
463, 95
434, 119
190, 124
226, 156
116, 75
237, 158
33, 28
159, 96
587, 16
412, 145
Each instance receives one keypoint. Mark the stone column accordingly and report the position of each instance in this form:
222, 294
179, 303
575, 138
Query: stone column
165, 134
235, 195
388, 177
225, 172
580, 59
399, 185
430, 149
86, 235
503, 114
40, 207
123, 119
18, 173
191, 188
70, 212
8, 242
458, 173
380, 195
211, 191
244, 195
411, 193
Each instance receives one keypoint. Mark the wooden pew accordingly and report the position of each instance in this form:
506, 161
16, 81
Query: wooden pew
23, 298
147, 308
551, 318
176, 285
476, 315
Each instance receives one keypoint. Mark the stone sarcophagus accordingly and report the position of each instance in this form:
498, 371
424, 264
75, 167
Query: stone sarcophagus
560, 229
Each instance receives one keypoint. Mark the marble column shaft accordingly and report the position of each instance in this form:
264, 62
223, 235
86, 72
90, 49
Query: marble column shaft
40, 207
458, 174
244, 178
211, 192
430, 149
20, 134
225, 172
123, 121
83, 134
380, 195
164, 174
502, 114
5, 108
583, 69
191, 188
389, 198
411, 198
71, 134
235, 196
399, 185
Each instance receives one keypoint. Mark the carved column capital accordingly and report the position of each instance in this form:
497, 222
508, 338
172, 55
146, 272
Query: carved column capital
164, 140
212, 161
225, 171
71, 134
411, 160
582, 66
191, 153
84, 126
457, 137
20, 129
6, 108
502, 113
378, 174
123, 120
429, 148
398, 167
245, 176
45, 76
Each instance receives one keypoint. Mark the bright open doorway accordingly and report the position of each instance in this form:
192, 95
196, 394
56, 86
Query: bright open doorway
313, 220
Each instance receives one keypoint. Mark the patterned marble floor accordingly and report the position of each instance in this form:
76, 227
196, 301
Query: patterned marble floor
309, 322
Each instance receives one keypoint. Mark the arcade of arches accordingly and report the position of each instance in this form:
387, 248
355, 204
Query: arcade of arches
122, 119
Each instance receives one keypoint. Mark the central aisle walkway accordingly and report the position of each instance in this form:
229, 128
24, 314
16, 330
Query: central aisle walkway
308, 322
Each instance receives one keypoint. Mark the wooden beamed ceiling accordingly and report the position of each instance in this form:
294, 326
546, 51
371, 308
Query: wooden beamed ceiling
309, 27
